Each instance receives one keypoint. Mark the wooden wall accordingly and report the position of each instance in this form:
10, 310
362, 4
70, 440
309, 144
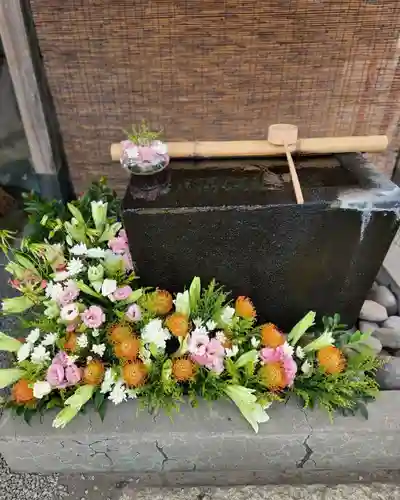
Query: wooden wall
207, 69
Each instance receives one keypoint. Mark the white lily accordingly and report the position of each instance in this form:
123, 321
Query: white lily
73, 405
99, 213
324, 340
8, 343
9, 375
182, 303
247, 403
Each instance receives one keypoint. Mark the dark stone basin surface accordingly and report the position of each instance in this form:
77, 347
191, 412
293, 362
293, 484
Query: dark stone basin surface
237, 221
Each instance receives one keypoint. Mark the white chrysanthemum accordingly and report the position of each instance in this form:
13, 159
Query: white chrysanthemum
82, 341
108, 381
79, 249
40, 355
231, 352
118, 393
227, 315
108, 287
198, 322
211, 325
287, 349
300, 352
96, 253
49, 339
99, 349
220, 336
41, 389
254, 342
145, 355
72, 358
89, 358
154, 333
53, 290
75, 266
306, 367
95, 332
33, 336
132, 393
24, 352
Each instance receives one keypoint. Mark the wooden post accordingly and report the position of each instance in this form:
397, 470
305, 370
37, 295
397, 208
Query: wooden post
46, 155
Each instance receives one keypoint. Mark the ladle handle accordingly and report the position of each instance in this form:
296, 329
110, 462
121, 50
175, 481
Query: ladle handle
295, 179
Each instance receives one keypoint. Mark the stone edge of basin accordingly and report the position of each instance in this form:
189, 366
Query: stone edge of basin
206, 440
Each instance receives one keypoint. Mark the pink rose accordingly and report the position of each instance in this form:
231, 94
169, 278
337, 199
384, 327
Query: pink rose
93, 317
133, 313
73, 374
55, 376
122, 293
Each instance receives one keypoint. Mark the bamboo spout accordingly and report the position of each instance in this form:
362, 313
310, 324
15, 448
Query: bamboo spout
318, 145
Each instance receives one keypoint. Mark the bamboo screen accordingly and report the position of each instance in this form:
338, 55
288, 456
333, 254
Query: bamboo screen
216, 70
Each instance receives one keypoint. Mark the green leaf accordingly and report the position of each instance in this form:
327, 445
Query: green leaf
9, 376
135, 295
301, 327
28, 414
24, 262
17, 305
20, 410
98, 400
76, 213
102, 409
9, 344
89, 291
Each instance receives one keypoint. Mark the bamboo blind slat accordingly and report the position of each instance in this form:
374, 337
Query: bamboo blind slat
208, 70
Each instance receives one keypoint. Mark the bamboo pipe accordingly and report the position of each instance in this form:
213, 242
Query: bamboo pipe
318, 145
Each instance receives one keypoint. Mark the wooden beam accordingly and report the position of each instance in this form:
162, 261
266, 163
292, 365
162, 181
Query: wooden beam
16, 43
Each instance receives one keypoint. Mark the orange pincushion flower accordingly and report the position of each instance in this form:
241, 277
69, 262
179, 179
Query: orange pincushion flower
272, 375
183, 369
21, 392
177, 324
244, 307
93, 373
331, 360
127, 349
134, 373
160, 302
70, 344
271, 336
118, 332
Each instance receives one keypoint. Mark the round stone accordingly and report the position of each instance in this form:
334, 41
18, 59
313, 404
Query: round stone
388, 376
383, 296
367, 326
372, 311
392, 322
388, 337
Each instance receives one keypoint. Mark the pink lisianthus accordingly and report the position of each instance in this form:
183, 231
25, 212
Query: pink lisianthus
69, 313
122, 293
119, 244
280, 355
206, 352
93, 317
62, 373
134, 313
69, 294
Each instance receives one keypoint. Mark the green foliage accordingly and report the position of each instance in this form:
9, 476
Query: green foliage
343, 391
211, 303
142, 135
161, 391
208, 385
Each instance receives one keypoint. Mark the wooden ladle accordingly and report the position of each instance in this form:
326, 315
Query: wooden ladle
282, 134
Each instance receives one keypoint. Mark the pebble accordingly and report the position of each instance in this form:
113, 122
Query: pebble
367, 326
392, 322
388, 376
388, 337
383, 296
372, 311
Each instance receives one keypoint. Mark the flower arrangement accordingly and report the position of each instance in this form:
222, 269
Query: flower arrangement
142, 152
96, 337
